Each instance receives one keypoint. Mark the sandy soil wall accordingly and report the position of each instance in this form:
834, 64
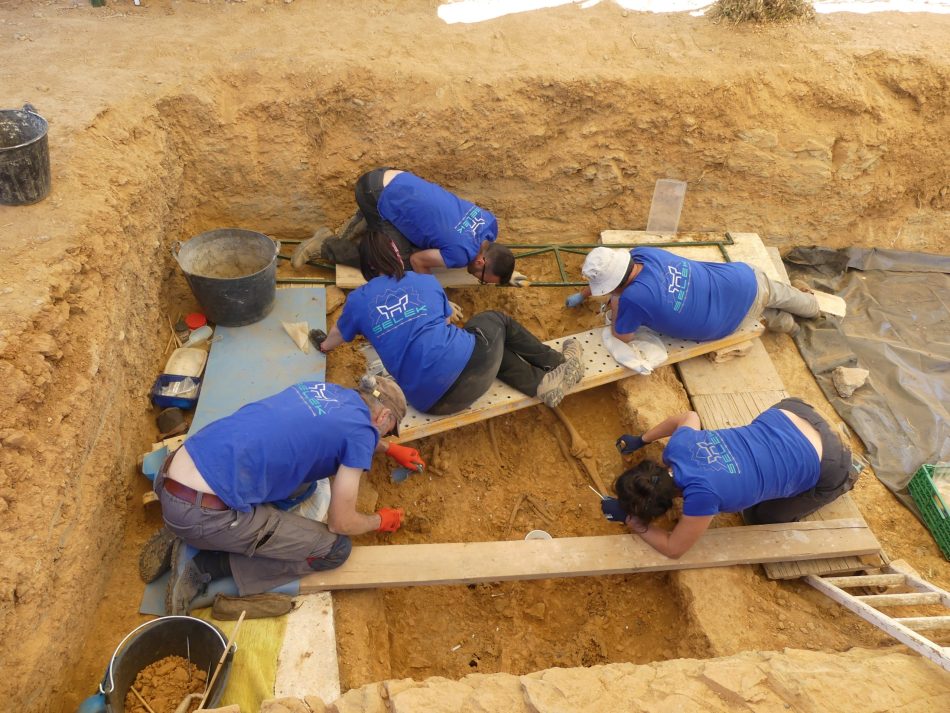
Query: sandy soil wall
245, 116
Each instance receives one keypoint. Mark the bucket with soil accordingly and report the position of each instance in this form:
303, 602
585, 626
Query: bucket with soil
232, 273
24, 156
165, 660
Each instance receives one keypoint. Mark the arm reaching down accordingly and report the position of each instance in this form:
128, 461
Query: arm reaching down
675, 543
424, 260
343, 517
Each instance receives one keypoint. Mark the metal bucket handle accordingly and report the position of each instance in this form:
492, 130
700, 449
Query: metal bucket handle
108, 676
176, 248
32, 109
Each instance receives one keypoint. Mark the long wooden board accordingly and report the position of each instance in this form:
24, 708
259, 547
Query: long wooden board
466, 563
600, 369
752, 372
349, 278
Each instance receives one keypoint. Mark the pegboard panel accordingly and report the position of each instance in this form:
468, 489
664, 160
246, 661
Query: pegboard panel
600, 368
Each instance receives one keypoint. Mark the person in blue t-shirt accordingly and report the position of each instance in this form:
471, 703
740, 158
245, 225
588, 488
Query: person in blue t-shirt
219, 491
783, 466
431, 227
687, 299
443, 368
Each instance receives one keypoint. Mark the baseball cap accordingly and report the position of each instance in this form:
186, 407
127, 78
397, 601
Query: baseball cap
604, 269
389, 394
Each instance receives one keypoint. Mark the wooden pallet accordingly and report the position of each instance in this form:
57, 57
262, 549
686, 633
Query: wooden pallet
471, 562
601, 368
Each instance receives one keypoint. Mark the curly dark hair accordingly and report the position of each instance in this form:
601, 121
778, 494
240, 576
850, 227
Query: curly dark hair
645, 491
379, 255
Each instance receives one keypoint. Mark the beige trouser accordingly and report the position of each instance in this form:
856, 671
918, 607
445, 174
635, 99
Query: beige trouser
773, 298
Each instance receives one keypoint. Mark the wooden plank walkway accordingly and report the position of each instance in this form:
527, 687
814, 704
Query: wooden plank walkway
472, 562
601, 368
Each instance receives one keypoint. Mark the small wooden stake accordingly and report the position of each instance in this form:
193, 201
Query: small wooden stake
142, 700
224, 655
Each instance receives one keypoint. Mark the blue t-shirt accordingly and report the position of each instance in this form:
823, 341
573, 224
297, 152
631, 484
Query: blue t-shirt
684, 298
735, 468
431, 217
266, 450
404, 320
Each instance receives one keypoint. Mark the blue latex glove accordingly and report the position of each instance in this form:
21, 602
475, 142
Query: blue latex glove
628, 444
575, 300
612, 510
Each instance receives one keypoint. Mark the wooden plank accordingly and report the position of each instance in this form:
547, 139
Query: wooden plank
646, 237
900, 600
841, 507
777, 263
867, 580
895, 627
466, 563
748, 248
925, 623
733, 410
600, 369
752, 372
348, 278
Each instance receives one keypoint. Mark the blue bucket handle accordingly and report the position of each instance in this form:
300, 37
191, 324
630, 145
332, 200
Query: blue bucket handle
108, 678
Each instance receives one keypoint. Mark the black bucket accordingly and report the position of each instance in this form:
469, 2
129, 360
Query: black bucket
193, 639
232, 272
24, 156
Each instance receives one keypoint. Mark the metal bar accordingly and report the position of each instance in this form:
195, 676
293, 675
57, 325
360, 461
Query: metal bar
305, 281
560, 264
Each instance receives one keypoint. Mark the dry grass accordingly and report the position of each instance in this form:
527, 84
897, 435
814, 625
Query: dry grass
761, 10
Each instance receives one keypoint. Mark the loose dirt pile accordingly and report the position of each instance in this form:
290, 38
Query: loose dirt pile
175, 118
165, 684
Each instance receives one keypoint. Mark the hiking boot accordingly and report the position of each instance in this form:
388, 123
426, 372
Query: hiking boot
186, 582
557, 382
354, 227
310, 249
783, 323
156, 555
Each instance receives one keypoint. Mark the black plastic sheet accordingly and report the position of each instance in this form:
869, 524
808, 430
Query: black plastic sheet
898, 328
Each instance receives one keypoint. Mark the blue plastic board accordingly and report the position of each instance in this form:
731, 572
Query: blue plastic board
249, 363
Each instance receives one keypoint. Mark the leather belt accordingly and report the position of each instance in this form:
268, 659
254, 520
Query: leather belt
204, 500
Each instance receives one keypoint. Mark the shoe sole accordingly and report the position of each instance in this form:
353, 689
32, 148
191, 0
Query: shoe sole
156, 555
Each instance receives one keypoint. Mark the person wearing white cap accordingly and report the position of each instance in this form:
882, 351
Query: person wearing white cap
687, 299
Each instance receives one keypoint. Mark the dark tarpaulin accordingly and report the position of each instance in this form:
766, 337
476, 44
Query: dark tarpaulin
898, 328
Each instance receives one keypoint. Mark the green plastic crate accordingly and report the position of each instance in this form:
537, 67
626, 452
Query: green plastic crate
932, 506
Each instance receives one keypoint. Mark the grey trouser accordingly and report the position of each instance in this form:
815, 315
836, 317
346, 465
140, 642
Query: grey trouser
268, 547
834, 478
773, 297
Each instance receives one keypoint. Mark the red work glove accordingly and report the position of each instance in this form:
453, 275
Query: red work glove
406, 457
389, 519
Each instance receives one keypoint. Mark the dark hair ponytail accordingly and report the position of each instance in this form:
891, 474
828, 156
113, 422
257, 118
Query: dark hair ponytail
646, 491
379, 255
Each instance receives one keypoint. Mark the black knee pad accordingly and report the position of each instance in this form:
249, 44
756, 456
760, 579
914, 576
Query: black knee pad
338, 554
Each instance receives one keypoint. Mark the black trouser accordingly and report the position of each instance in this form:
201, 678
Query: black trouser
504, 350
369, 187
834, 478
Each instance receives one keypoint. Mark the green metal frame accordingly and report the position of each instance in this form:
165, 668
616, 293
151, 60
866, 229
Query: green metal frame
531, 250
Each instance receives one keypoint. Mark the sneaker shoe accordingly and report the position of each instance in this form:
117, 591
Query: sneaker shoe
560, 380
156, 555
310, 249
186, 581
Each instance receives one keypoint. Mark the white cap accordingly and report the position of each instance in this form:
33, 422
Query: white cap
604, 269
